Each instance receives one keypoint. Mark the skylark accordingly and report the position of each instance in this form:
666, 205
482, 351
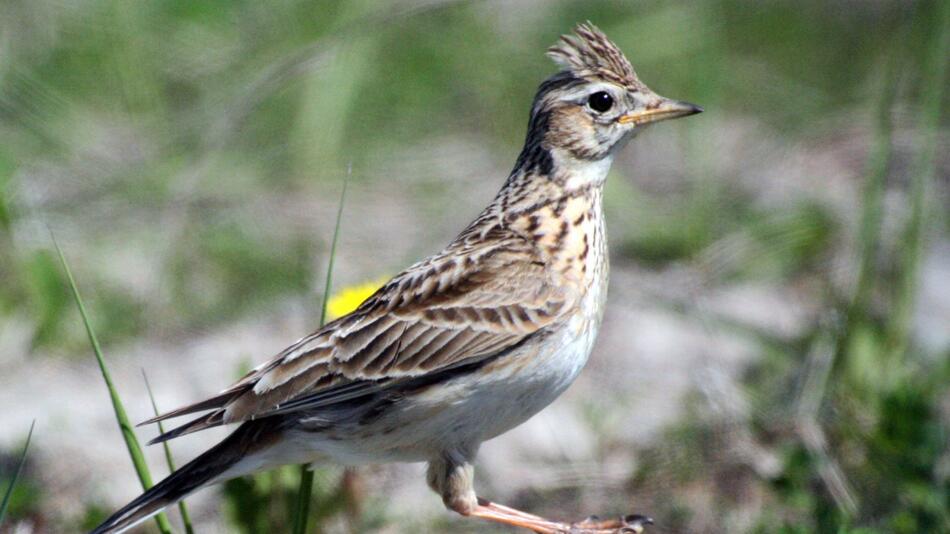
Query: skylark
464, 345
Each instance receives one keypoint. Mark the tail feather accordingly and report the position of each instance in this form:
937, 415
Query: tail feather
201, 471
210, 420
214, 403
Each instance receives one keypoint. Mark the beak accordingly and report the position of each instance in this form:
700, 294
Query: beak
667, 109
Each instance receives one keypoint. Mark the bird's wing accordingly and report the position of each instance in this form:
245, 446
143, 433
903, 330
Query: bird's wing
472, 301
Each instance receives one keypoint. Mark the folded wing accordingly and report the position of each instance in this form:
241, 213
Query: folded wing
468, 303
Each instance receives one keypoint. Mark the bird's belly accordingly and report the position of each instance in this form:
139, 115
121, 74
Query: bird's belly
530, 387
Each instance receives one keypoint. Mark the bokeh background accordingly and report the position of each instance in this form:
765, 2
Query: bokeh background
775, 351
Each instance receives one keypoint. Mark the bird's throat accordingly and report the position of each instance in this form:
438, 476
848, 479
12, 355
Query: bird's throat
574, 173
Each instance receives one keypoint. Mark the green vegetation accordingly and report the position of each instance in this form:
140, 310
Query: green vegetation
126, 428
169, 459
302, 512
11, 486
861, 448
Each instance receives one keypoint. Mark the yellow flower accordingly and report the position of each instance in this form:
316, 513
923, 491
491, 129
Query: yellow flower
349, 298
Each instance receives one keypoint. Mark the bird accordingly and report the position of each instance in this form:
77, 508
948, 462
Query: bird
463, 345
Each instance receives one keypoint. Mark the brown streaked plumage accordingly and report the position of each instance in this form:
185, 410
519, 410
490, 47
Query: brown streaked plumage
461, 346
591, 55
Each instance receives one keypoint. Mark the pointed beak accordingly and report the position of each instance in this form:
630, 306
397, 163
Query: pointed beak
663, 110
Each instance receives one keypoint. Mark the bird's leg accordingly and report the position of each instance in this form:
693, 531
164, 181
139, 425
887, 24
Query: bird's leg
501, 508
452, 477
509, 516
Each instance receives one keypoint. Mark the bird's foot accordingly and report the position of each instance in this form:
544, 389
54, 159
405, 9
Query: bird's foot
628, 524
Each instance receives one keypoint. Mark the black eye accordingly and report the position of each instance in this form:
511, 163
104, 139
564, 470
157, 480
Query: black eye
600, 101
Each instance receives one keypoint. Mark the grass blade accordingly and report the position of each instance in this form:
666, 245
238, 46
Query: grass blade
16, 474
302, 509
923, 173
182, 507
128, 434
328, 284
879, 162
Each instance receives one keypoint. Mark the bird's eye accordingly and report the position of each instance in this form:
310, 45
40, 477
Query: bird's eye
600, 101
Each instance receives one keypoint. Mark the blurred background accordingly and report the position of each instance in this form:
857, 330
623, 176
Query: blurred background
774, 356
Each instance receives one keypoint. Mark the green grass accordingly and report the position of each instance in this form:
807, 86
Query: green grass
934, 81
878, 165
874, 466
7, 495
125, 428
302, 512
169, 459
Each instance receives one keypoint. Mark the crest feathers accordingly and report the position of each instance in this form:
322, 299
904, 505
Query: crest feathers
590, 54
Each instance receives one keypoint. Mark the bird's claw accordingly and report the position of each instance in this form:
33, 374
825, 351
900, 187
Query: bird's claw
628, 524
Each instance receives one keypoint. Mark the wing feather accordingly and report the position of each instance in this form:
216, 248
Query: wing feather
470, 302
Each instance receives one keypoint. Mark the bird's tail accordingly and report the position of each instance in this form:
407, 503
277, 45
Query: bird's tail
215, 465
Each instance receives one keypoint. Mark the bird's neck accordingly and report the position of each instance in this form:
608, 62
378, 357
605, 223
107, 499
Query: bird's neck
560, 212
551, 177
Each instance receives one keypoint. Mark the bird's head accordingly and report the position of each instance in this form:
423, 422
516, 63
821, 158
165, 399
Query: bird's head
583, 113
